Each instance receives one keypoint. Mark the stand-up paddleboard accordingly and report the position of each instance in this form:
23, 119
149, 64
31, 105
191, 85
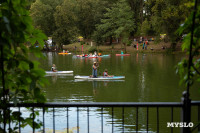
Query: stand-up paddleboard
64, 53
102, 80
99, 77
60, 75
123, 54
59, 72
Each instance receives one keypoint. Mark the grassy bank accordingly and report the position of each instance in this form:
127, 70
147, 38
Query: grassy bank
152, 47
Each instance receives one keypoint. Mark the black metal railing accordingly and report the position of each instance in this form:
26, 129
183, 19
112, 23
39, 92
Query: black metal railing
102, 106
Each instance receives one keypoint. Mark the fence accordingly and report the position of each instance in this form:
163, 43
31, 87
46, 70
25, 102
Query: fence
146, 106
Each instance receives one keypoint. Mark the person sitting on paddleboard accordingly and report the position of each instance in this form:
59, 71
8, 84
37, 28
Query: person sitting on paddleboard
94, 70
53, 68
122, 52
105, 73
95, 53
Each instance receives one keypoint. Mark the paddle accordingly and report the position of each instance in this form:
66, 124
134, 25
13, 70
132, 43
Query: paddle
98, 66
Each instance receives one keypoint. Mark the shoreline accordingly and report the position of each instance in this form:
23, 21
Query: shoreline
151, 48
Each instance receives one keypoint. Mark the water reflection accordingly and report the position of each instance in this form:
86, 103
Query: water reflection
55, 76
49, 56
94, 85
149, 77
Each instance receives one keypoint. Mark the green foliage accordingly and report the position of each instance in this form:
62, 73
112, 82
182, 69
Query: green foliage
182, 67
82, 42
146, 28
103, 19
89, 13
65, 19
42, 14
167, 16
129, 43
118, 21
23, 78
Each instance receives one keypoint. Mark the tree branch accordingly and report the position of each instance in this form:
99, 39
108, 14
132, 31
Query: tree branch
196, 69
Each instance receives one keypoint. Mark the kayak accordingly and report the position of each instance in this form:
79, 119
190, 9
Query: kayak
106, 55
64, 53
99, 77
81, 56
86, 56
58, 72
123, 54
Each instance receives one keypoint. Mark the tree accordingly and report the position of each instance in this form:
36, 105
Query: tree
89, 13
21, 79
42, 15
66, 20
189, 68
166, 16
118, 21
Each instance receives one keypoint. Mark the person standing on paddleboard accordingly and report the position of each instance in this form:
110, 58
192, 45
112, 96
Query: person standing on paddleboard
94, 70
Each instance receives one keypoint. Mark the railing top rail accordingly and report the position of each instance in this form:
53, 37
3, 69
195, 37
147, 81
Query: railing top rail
101, 104
195, 102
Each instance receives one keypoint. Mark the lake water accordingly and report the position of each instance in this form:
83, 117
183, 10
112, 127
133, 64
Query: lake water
148, 78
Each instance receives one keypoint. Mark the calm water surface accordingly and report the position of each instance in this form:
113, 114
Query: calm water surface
148, 78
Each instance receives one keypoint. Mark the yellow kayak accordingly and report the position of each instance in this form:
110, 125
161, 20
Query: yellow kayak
64, 53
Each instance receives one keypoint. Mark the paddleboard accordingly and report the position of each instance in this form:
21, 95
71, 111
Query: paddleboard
99, 77
58, 72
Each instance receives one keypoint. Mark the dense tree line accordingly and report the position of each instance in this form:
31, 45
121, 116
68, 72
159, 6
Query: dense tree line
101, 20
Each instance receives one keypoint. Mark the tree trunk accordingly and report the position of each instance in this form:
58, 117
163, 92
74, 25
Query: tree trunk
61, 46
110, 40
141, 10
125, 48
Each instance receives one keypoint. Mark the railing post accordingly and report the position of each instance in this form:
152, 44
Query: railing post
186, 112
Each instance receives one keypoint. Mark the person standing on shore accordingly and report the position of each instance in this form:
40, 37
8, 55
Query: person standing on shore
143, 45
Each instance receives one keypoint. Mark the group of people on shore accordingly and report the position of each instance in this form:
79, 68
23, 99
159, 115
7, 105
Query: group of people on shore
144, 46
